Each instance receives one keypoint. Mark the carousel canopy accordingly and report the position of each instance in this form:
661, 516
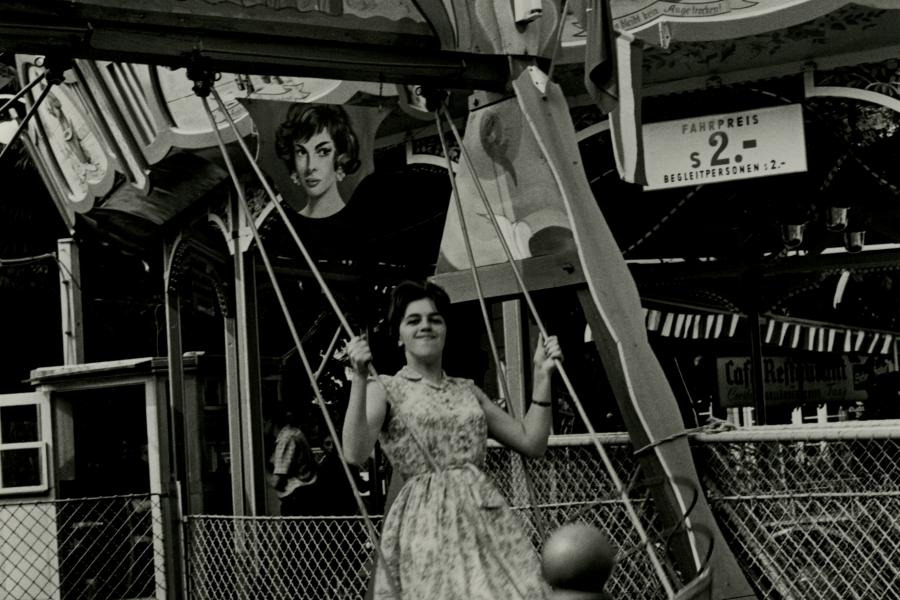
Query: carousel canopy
138, 114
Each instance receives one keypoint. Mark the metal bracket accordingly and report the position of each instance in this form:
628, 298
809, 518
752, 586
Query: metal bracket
538, 78
200, 71
56, 67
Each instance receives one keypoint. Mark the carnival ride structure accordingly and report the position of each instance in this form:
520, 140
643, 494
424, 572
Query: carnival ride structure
106, 118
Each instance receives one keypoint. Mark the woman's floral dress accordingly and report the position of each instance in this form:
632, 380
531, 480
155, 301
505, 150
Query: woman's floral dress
449, 534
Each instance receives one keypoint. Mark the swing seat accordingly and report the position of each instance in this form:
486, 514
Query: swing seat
699, 588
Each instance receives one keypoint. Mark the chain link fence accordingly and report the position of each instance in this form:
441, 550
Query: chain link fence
317, 558
569, 483
314, 558
810, 513
86, 549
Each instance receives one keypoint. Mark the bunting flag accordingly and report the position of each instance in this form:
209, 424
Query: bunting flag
689, 324
667, 321
860, 336
710, 322
795, 340
720, 320
873, 343
783, 333
625, 127
679, 323
612, 76
734, 323
774, 331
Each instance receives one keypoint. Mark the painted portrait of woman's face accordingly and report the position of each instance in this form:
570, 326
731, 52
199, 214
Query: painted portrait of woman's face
317, 154
319, 148
315, 165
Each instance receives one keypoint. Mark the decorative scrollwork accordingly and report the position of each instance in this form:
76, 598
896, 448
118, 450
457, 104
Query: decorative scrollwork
179, 267
883, 77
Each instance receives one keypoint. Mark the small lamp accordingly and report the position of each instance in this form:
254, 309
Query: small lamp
854, 241
792, 234
836, 218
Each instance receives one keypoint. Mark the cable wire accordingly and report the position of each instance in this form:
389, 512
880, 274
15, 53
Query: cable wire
24, 123
320, 401
476, 280
617, 483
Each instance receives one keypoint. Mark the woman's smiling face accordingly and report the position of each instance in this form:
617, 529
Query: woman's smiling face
423, 330
314, 161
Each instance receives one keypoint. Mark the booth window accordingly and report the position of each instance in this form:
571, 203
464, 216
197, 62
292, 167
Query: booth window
23, 449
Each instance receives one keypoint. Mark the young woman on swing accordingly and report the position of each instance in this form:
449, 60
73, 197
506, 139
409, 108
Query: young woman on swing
449, 533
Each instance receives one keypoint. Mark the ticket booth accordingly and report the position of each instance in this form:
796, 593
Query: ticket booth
88, 463
85, 460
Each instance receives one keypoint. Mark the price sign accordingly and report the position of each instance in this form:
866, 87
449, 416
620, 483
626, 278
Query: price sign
714, 148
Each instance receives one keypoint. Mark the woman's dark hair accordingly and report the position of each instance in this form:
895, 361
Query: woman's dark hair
303, 121
407, 292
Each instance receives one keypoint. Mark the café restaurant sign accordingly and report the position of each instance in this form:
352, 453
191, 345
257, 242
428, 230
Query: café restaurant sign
724, 147
788, 381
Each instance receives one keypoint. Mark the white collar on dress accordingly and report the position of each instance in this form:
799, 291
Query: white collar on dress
411, 374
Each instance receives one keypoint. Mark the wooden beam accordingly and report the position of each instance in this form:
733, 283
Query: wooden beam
515, 355
683, 271
70, 301
612, 308
125, 34
558, 270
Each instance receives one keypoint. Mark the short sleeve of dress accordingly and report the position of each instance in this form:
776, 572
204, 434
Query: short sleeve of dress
479, 393
385, 383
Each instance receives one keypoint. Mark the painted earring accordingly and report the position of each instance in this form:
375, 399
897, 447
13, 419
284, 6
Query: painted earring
340, 175
295, 177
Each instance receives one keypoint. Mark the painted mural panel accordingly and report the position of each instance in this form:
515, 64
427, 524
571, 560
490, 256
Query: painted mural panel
755, 16
315, 154
518, 186
355, 213
390, 17
68, 138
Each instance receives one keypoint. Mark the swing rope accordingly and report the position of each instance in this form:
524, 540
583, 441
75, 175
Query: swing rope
616, 481
476, 279
22, 92
242, 201
344, 323
329, 352
672, 482
314, 269
28, 115
422, 447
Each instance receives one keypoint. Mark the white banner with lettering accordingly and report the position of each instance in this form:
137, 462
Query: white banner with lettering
715, 148
789, 381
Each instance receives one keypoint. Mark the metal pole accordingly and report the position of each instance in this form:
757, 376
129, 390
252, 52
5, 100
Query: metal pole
754, 280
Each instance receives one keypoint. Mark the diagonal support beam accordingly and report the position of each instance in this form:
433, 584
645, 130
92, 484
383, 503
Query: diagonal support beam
613, 310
